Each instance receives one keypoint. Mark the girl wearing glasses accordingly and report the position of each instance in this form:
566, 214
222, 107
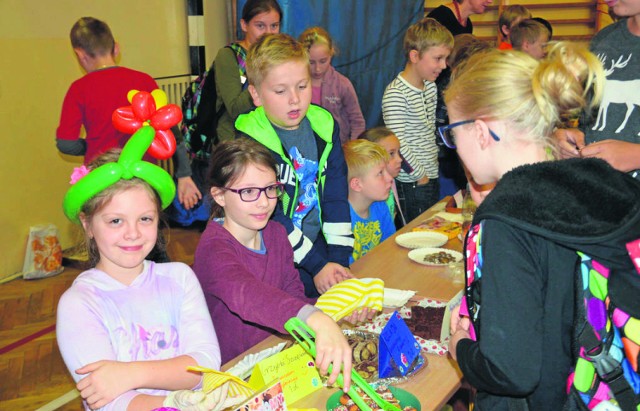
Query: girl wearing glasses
244, 261
514, 341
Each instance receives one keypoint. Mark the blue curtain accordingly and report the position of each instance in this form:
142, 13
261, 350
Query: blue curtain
368, 34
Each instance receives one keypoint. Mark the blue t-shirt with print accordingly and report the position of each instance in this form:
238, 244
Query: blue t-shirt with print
371, 231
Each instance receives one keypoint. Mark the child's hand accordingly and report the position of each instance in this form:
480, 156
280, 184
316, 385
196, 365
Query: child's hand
188, 193
331, 274
105, 382
621, 155
331, 348
455, 319
361, 315
459, 330
569, 141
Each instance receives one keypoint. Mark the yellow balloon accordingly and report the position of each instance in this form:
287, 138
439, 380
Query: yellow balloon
130, 95
159, 97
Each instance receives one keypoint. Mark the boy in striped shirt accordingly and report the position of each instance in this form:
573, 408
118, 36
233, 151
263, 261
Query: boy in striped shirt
408, 109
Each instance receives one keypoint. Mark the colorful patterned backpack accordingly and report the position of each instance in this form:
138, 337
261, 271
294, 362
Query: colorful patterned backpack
606, 373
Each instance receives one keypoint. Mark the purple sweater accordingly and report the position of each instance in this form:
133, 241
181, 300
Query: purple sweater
250, 295
339, 97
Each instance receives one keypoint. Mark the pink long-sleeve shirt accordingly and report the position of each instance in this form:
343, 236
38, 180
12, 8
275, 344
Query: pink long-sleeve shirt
161, 315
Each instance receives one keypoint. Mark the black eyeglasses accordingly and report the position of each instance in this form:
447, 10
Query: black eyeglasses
449, 139
250, 194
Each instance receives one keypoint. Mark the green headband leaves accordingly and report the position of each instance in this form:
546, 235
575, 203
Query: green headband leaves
128, 166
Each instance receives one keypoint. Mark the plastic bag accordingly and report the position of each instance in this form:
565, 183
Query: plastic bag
44, 255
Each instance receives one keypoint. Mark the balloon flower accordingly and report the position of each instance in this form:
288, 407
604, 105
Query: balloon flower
86, 183
150, 109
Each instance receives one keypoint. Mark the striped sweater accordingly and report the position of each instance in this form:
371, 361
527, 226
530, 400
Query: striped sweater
410, 114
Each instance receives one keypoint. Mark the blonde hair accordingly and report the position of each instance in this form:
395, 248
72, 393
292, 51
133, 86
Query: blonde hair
361, 155
527, 30
317, 35
376, 134
425, 34
272, 50
99, 201
93, 36
533, 96
511, 14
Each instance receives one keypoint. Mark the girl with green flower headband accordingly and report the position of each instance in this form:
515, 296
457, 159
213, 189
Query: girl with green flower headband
128, 328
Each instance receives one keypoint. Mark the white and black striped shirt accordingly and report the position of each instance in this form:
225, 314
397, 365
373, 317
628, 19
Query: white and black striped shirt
410, 113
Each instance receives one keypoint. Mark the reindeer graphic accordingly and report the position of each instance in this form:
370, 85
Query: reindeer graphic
617, 92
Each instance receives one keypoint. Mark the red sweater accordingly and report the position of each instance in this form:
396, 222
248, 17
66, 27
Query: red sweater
90, 102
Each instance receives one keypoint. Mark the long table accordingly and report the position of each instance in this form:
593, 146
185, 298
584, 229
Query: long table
388, 261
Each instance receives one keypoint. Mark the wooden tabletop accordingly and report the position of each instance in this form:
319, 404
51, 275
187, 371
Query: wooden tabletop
434, 385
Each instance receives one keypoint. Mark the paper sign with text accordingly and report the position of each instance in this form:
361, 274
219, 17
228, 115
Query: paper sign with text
271, 399
398, 348
295, 369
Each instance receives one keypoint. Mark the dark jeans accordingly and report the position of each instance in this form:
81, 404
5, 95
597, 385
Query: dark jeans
416, 199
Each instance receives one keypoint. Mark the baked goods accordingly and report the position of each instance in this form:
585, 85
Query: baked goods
441, 257
365, 355
440, 225
347, 404
426, 322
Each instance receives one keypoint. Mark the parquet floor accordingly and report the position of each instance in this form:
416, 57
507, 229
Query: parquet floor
32, 373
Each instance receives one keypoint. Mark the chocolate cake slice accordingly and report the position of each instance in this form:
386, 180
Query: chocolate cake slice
426, 322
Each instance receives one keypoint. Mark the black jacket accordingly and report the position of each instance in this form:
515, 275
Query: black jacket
531, 226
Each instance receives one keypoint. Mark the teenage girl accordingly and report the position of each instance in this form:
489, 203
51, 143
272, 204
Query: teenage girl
515, 346
331, 89
385, 137
258, 17
128, 328
244, 261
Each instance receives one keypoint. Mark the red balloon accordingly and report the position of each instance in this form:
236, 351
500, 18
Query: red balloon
125, 121
163, 145
143, 105
166, 117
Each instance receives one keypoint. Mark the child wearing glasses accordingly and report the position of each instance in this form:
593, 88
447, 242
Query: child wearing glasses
244, 260
521, 260
304, 140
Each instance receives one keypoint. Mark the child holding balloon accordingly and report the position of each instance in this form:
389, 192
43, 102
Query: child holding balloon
128, 328
92, 99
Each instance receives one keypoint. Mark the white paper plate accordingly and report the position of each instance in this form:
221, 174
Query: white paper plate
394, 298
244, 368
421, 239
418, 255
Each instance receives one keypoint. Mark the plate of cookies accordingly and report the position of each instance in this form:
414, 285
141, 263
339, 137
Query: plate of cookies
435, 256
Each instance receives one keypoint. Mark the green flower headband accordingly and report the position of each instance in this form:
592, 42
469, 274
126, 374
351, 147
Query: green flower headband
128, 166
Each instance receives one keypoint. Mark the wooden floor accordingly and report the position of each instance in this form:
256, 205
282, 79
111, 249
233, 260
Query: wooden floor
32, 373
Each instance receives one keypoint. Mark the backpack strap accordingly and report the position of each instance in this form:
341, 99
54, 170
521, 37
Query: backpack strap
598, 346
241, 57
